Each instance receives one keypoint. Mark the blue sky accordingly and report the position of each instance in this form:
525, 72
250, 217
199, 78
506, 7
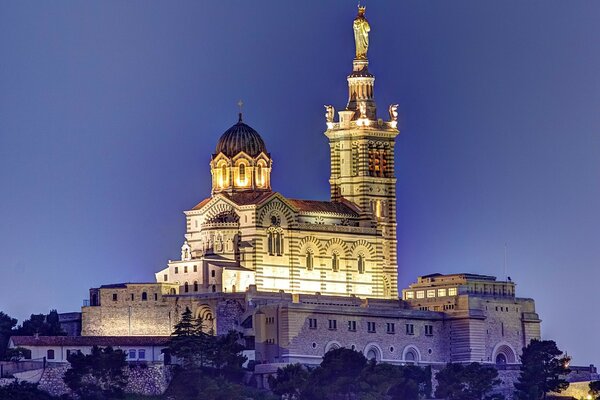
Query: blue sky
109, 112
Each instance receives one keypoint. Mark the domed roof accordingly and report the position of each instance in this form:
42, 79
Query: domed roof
240, 137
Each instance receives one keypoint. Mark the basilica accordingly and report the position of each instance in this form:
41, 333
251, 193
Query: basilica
299, 277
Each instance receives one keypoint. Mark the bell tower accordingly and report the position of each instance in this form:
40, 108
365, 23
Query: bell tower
362, 154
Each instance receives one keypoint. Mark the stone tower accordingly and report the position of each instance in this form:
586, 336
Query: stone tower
362, 156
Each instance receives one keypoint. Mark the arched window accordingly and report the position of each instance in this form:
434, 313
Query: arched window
278, 243
270, 244
223, 181
377, 209
373, 354
173, 291
242, 173
195, 286
214, 288
275, 243
309, 260
335, 263
212, 273
410, 356
144, 296
361, 264
259, 177
186, 287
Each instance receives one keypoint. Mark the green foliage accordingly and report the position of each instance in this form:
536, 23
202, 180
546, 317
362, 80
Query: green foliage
467, 382
23, 391
40, 324
228, 356
189, 343
392, 382
595, 390
289, 381
196, 384
99, 375
346, 374
337, 376
6, 327
542, 366
17, 354
195, 347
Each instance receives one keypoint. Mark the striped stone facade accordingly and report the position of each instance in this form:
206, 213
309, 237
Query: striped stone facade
300, 277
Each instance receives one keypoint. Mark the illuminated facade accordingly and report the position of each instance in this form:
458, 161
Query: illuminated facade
247, 234
300, 277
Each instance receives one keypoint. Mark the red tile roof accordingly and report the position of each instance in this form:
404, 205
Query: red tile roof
202, 203
90, 340
246, 198
335, 207
256, 197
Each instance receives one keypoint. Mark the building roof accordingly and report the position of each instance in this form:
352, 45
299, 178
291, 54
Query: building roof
90, 340
241, 138
464, 275
335, 207
202, 203
125, 284
256, 197
250, 197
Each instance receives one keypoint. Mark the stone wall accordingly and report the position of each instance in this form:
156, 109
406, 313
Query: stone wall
144, 379
285, 335
149, 380
158, 318
228, 315
52, 380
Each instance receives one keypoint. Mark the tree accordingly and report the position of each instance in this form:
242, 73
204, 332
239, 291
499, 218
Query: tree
99, 375
227, 356
23, 391
595, 390
41, 324
467, 382
189, 343
412, 383
53, 327
221, 354
346, 374
337, 376
6, 327
289, 381
393, 382
17, 354
542, 366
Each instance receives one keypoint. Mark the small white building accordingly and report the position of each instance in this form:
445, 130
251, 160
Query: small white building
57, 349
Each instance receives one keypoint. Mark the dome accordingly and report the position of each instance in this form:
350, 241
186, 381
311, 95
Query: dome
240, 137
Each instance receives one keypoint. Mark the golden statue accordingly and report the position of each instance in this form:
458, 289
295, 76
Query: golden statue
361, 34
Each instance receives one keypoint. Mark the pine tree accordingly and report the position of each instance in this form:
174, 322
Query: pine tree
190, 343
541, 369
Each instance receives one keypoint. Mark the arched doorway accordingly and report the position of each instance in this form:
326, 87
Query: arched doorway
411, 355
372, 352
504, 354
501, 359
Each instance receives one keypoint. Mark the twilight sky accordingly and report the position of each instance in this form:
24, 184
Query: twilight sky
110, 110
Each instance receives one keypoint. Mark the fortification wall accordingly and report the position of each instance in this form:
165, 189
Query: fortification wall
144, 379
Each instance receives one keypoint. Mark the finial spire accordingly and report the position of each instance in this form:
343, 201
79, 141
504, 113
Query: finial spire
240, 105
